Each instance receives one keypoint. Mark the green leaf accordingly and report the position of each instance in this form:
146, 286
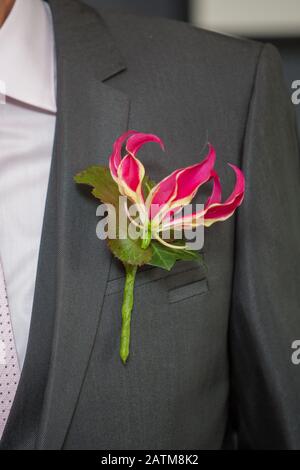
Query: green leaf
104, 188
162, 257
165, 257
130, 251
189, 255
100, 179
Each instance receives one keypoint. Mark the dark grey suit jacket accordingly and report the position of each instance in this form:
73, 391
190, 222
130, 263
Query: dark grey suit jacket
211, 350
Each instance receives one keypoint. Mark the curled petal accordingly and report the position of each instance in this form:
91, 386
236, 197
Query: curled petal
180, 187
161, 194
136, 141
116, 156
191, 178
216, 195
131, 173
219, 212
214, 210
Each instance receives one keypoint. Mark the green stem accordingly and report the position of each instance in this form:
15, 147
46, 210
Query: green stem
147, 237
126, 311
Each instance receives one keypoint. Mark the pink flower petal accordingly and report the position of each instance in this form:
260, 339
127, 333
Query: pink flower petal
220, 212
239, 188
179, 188
130, 177
216, 195
136, 141
214, 210
191, 178
116, 156
162, 193
185, 222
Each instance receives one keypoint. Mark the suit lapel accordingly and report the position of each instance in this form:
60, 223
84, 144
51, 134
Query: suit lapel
91, 115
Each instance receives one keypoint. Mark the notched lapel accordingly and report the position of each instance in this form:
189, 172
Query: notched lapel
91, 115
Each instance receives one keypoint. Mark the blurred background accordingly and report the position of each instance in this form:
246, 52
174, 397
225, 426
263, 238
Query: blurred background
274, 21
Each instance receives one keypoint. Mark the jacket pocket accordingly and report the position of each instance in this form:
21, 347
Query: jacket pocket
186, 280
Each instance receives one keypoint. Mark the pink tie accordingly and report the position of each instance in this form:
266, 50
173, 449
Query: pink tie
9, 366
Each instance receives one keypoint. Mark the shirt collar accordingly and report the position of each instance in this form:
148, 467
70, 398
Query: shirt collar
27, 65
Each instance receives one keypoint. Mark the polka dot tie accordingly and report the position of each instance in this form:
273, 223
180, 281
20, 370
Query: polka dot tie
9, 366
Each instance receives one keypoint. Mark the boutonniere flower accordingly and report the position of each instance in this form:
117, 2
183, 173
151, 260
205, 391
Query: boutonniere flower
154, 212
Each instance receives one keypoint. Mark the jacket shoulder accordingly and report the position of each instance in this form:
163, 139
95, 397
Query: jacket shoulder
176, 40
